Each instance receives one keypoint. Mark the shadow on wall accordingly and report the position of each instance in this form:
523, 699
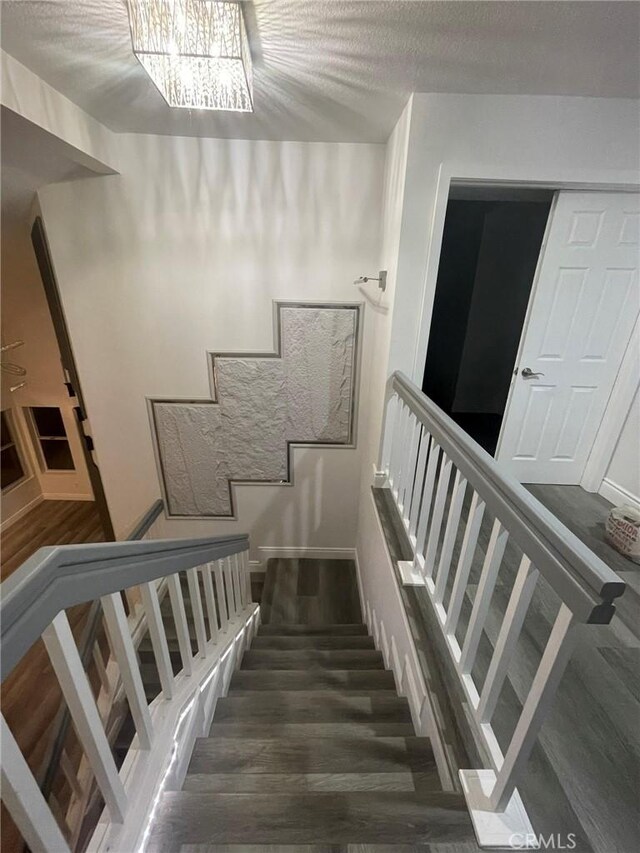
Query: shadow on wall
161, 271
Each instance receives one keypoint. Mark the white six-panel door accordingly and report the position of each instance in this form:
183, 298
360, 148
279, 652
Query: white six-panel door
583, 306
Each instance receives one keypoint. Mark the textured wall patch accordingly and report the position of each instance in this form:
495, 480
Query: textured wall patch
304, 393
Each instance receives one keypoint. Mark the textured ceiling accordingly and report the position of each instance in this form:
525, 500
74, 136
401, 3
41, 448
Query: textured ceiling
337, 69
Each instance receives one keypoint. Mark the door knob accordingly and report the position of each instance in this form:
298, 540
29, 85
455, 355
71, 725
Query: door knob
527, 373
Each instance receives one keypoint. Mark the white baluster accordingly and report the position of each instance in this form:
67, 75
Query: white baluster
125, 654
149, 595
405, 448
246, 566
228, 585
222, 600
519, 601
24, 801
237, 587
409, 468
471, 532
389, 428
76, 690
427, 494
396, 450
437, 515
488, 577
210, 600
421, 470
543, 688
450, 533
196, 609
180, 619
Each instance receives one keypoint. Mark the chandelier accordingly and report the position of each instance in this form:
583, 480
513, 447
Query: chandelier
195, 51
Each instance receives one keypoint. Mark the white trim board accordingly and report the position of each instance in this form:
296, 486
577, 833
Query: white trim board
20, 513
268, 552
65, 496
623, 391
617, 495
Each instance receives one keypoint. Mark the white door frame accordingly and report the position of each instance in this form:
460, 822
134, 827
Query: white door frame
527, 318
622, 392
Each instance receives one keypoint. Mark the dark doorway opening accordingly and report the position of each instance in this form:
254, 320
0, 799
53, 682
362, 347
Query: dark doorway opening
491, 243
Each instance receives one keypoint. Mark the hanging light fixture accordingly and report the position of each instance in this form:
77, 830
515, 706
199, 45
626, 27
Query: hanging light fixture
195, 51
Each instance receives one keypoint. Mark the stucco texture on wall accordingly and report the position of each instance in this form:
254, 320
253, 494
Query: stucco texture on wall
303, 393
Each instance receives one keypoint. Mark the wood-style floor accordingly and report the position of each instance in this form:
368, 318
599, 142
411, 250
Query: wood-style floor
584, 774
30, 694
49, 523
312, 750
310, 592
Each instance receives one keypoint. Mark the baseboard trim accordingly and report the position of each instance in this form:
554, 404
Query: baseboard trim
66, 496
617, 495
7, 522
270, 553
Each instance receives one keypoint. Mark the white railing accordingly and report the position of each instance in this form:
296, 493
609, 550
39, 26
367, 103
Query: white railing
34, 600
434, 470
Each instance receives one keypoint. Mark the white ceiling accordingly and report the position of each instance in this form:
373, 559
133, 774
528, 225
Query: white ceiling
337, 69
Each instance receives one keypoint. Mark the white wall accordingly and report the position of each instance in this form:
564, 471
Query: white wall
622, 480
25, 316
537, 139
369, 534
550, 140
183, 252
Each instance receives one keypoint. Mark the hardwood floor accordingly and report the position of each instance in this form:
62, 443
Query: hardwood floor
584, 773
49, 523
585, 513
30, 694
310, 592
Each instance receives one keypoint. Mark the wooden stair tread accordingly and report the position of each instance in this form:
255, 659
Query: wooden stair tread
186, 817
293, 630
309, 659
313, 641
281, 706
280, 783
345, 680
311, 755
367, 728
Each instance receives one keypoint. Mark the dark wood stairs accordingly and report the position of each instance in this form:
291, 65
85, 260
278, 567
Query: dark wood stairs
312, 750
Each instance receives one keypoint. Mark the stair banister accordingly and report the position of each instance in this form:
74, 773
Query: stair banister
33, 604
429, 464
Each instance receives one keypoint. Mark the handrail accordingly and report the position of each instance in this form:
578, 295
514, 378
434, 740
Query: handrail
56, 578
220, 615
579, 576
421, 450
60, 726
147, 520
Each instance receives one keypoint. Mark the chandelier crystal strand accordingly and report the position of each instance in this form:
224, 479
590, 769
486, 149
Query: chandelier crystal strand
195, 51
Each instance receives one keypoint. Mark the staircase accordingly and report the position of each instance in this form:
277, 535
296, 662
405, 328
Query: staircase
312, 745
